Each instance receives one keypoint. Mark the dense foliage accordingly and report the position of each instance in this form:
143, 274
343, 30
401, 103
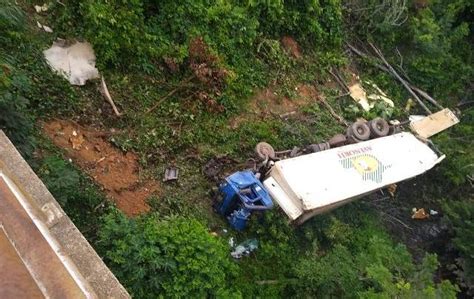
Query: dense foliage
14, 120
461, 215
156, 29
175, 256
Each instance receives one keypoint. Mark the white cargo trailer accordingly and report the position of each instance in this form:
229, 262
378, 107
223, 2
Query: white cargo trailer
311, 184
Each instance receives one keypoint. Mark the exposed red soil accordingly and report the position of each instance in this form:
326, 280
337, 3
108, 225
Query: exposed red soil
291, 46
267, 102
115, 171
307, 93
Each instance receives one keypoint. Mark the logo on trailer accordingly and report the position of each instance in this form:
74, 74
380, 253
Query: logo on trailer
367, 165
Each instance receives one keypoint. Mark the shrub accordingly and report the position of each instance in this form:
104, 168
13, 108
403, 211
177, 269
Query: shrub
376, 269
175, 257
460, 215
116, 29
14, 119
76, 194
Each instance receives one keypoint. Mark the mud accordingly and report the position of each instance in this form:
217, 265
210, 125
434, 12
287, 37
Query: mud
116, 172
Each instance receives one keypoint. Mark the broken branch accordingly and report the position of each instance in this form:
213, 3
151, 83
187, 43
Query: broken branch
426, 96
105, 92
181, 84
422, 93
339, 118
404, 83
338, 80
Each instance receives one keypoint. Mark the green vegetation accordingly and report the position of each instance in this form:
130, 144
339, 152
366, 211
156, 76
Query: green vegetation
188, 75
174, 256
460, 214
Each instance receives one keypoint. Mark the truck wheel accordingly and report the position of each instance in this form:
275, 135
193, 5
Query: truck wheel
337, 140
378, 127
264, 151
314, 148
359, 131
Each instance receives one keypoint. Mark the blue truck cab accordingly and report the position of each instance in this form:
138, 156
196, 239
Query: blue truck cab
242, 193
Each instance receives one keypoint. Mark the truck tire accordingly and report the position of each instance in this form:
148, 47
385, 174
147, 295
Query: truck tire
314, 148
337, 140
264, 151
378, 127
359, 131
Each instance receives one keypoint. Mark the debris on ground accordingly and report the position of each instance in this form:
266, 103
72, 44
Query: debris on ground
171, 174
409, 105
359, 95
433, 212
383, 64
44, 27
434, 123
105, 92
244, 248
414, 118
116, 172
419, 214
41, 8
367, 102
392, 189
76, 140
74, 62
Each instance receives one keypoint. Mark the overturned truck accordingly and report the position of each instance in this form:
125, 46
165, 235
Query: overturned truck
311, 184
310, 181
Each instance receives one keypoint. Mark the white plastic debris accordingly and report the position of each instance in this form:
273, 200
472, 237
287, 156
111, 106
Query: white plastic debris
414, 118
41, 8
47, 29
75, 62
244, 248
44, 27
231, 242
434, 212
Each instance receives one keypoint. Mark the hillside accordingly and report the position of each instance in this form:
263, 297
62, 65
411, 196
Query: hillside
197, 85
